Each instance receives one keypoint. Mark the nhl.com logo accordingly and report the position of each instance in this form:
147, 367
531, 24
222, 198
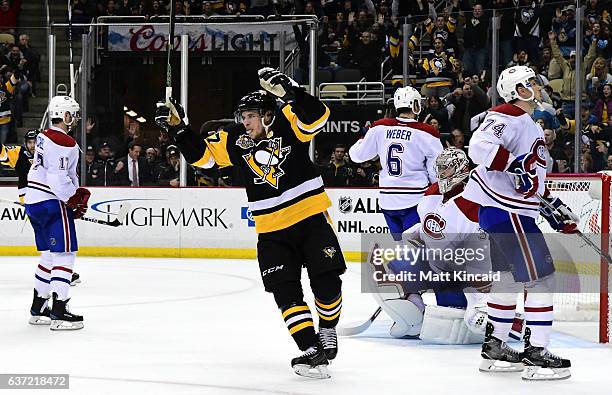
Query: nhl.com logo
345, 204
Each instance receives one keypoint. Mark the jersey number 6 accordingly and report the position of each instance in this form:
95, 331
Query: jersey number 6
394, 163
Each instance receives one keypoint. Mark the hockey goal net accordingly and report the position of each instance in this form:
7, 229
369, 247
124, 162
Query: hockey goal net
583, 277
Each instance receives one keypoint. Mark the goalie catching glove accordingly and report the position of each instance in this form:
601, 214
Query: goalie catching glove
170, 116
559, 216
525, 173
78, 202
277, 84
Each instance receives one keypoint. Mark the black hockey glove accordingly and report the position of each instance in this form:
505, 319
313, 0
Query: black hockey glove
170, 116
278, 84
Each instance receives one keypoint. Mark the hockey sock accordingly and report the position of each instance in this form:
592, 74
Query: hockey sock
329, 311
61, 273
500, 313
299, 322
539, 317
42, 276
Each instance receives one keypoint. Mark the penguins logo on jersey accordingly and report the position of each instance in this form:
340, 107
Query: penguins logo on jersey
433, 225
329, 252
2, 97
265, 161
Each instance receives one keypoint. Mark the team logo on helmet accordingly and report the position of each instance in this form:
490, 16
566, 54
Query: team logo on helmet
433, 225
265, 161
345, 204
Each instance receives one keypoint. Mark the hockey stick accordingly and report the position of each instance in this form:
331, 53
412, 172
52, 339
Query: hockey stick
355, 330
123, 210
70, 58
170, 48
560, 215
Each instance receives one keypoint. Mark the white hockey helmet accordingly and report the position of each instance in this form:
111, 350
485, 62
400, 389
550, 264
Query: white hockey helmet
407, 97
510, 78
452, 167
60, 105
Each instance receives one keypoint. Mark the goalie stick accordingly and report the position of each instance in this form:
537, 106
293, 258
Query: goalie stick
588, 241
355, 330
123, 210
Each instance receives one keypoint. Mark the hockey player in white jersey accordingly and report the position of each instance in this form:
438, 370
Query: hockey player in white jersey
53, 201
509, 150
407, 150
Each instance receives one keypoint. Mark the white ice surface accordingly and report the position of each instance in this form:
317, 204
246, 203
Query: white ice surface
183, 326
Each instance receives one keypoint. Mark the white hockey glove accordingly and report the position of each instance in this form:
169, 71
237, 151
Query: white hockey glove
277, 84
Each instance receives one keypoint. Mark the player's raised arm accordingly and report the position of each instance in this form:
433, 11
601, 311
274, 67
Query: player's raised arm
306, 114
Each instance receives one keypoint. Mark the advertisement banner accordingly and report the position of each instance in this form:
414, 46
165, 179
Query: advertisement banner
183, 222
346, 124
248, 37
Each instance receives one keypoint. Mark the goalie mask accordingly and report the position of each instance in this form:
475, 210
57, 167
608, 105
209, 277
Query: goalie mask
452, 168
66, 109
259, 101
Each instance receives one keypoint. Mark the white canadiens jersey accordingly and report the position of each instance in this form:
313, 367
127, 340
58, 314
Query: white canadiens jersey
53, 175
408, 150
452, 225
506, 132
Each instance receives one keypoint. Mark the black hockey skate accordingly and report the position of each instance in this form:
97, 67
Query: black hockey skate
76, 279
497, 356
329, 340
41, 314
313, 363
61, 318
542, 364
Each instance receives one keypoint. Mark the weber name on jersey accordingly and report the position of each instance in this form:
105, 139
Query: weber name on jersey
53, 174
408, 151
282, 184
506, 132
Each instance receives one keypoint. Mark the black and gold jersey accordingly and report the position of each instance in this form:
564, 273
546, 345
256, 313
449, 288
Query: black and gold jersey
282, 184
20, 159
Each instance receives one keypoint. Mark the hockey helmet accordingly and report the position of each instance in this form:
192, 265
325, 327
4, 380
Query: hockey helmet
255, 101
30, 135
407, 97
512, 77
452, 167
60, 105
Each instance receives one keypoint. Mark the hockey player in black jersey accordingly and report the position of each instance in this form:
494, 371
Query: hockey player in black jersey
20, 158
287, 201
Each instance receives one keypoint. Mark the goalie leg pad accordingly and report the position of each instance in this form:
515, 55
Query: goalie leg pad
445, 325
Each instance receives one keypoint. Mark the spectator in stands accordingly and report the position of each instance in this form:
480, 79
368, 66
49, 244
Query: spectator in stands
440, 70
18, 65
33, 60
586, 163
436, 110
603, 107
207, 9
133, 170
168, 173
564, 26
551, 154
104, 172
458, 139
505, 9
364, 175
475, 41
7, 89
527, 20
544, 65
596, 32
406, 8
468, 101
90, 156
598, 77
261, 7
8, 15
338, 173
366, 57
609, 163
443, 29
568, 94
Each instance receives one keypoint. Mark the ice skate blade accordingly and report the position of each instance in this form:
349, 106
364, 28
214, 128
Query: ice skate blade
318, 372
494, 366
58, 325
39, 320
537, 373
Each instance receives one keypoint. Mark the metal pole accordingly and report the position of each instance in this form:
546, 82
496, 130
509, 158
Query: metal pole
184, 92
282, 54
578, 101
84, 74
51, 52
406, 31
494, 56
313, 70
